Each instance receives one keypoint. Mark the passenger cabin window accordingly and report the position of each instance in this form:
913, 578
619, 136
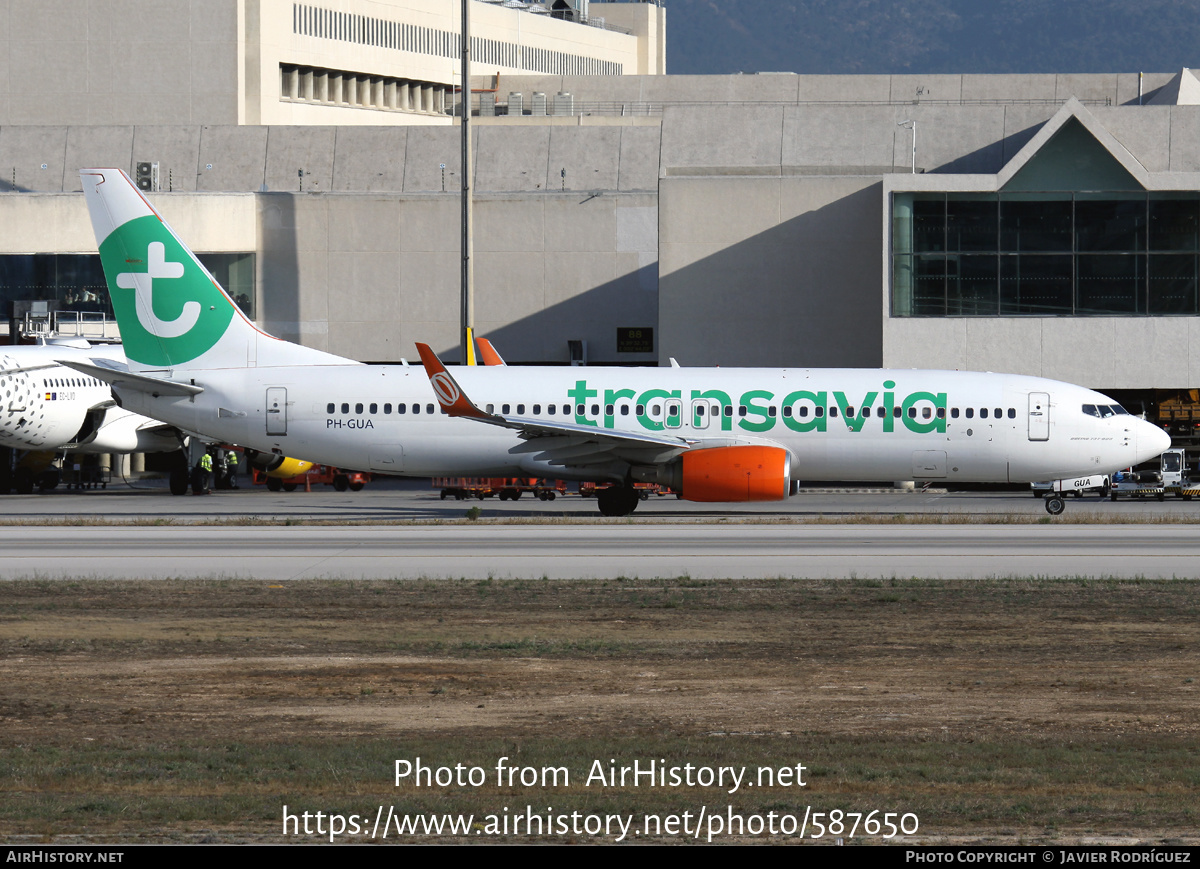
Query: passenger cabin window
374, 408
429, 408
329, 408
537, 410
970, 413
416, 408
521, 409
387, 408
358, 407
345, 407
954, 413
400, 408
624, 410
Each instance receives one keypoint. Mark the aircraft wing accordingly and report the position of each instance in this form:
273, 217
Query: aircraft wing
558, 443
120, 377
27, 368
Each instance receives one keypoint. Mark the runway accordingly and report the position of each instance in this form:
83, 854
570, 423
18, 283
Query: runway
568, 551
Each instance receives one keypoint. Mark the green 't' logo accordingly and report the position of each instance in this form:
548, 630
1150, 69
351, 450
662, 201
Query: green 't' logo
168, 309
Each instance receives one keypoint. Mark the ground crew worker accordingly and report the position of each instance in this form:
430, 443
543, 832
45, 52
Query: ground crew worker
231, 462
204, 466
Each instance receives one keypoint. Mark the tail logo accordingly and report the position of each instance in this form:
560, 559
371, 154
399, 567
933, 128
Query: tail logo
445, 388
142, 284
173, 311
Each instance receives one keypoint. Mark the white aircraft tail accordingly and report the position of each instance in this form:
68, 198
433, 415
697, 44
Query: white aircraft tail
172, 313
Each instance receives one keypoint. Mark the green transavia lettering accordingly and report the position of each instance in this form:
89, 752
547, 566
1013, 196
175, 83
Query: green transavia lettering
756, 410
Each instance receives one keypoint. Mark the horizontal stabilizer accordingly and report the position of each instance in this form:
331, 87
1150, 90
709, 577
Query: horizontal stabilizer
123, 379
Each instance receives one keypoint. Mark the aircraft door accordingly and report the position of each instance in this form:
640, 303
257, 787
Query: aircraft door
276, 410
1039, 416
674, 413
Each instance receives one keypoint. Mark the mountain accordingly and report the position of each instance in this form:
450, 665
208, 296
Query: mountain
933, 36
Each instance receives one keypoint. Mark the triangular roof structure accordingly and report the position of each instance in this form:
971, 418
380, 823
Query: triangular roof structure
1182, 90
1076, 151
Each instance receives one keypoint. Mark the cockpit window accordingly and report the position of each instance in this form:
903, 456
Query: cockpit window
1117, 409
1091, 410
1106, 411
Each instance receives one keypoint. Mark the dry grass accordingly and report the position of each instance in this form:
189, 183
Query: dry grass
1034, 710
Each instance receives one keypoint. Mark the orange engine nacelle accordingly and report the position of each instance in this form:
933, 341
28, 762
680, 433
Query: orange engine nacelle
736, 474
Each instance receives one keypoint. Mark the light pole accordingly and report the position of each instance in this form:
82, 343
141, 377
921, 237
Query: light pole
911, 125
468, 265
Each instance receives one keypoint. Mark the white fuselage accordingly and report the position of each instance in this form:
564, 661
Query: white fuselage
921, 425
46, 405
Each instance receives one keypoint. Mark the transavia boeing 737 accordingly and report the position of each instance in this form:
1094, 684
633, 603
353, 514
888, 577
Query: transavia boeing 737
712, 434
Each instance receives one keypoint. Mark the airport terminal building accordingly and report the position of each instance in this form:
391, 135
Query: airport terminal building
1040, 224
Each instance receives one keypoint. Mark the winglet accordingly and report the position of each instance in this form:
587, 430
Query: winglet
449, 394
488, 353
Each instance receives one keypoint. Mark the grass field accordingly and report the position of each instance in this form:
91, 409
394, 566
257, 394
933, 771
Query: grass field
998, 711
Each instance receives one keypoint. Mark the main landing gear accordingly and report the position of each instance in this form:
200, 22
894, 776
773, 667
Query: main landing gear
618, 500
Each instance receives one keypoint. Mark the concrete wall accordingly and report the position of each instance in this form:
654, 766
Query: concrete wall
745, 234
229, 158
367, 276
770, 271
149, 62
58, 223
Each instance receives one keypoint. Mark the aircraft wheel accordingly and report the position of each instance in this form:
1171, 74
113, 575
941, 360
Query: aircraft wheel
618, 500
1055, 505
179, 481
341, 482
23, 481
274, 485
356, 487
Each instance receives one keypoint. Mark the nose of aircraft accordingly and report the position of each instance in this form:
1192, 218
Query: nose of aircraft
1151, 441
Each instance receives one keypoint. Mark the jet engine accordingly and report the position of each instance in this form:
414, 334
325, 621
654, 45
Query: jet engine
738, 473
273, 465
